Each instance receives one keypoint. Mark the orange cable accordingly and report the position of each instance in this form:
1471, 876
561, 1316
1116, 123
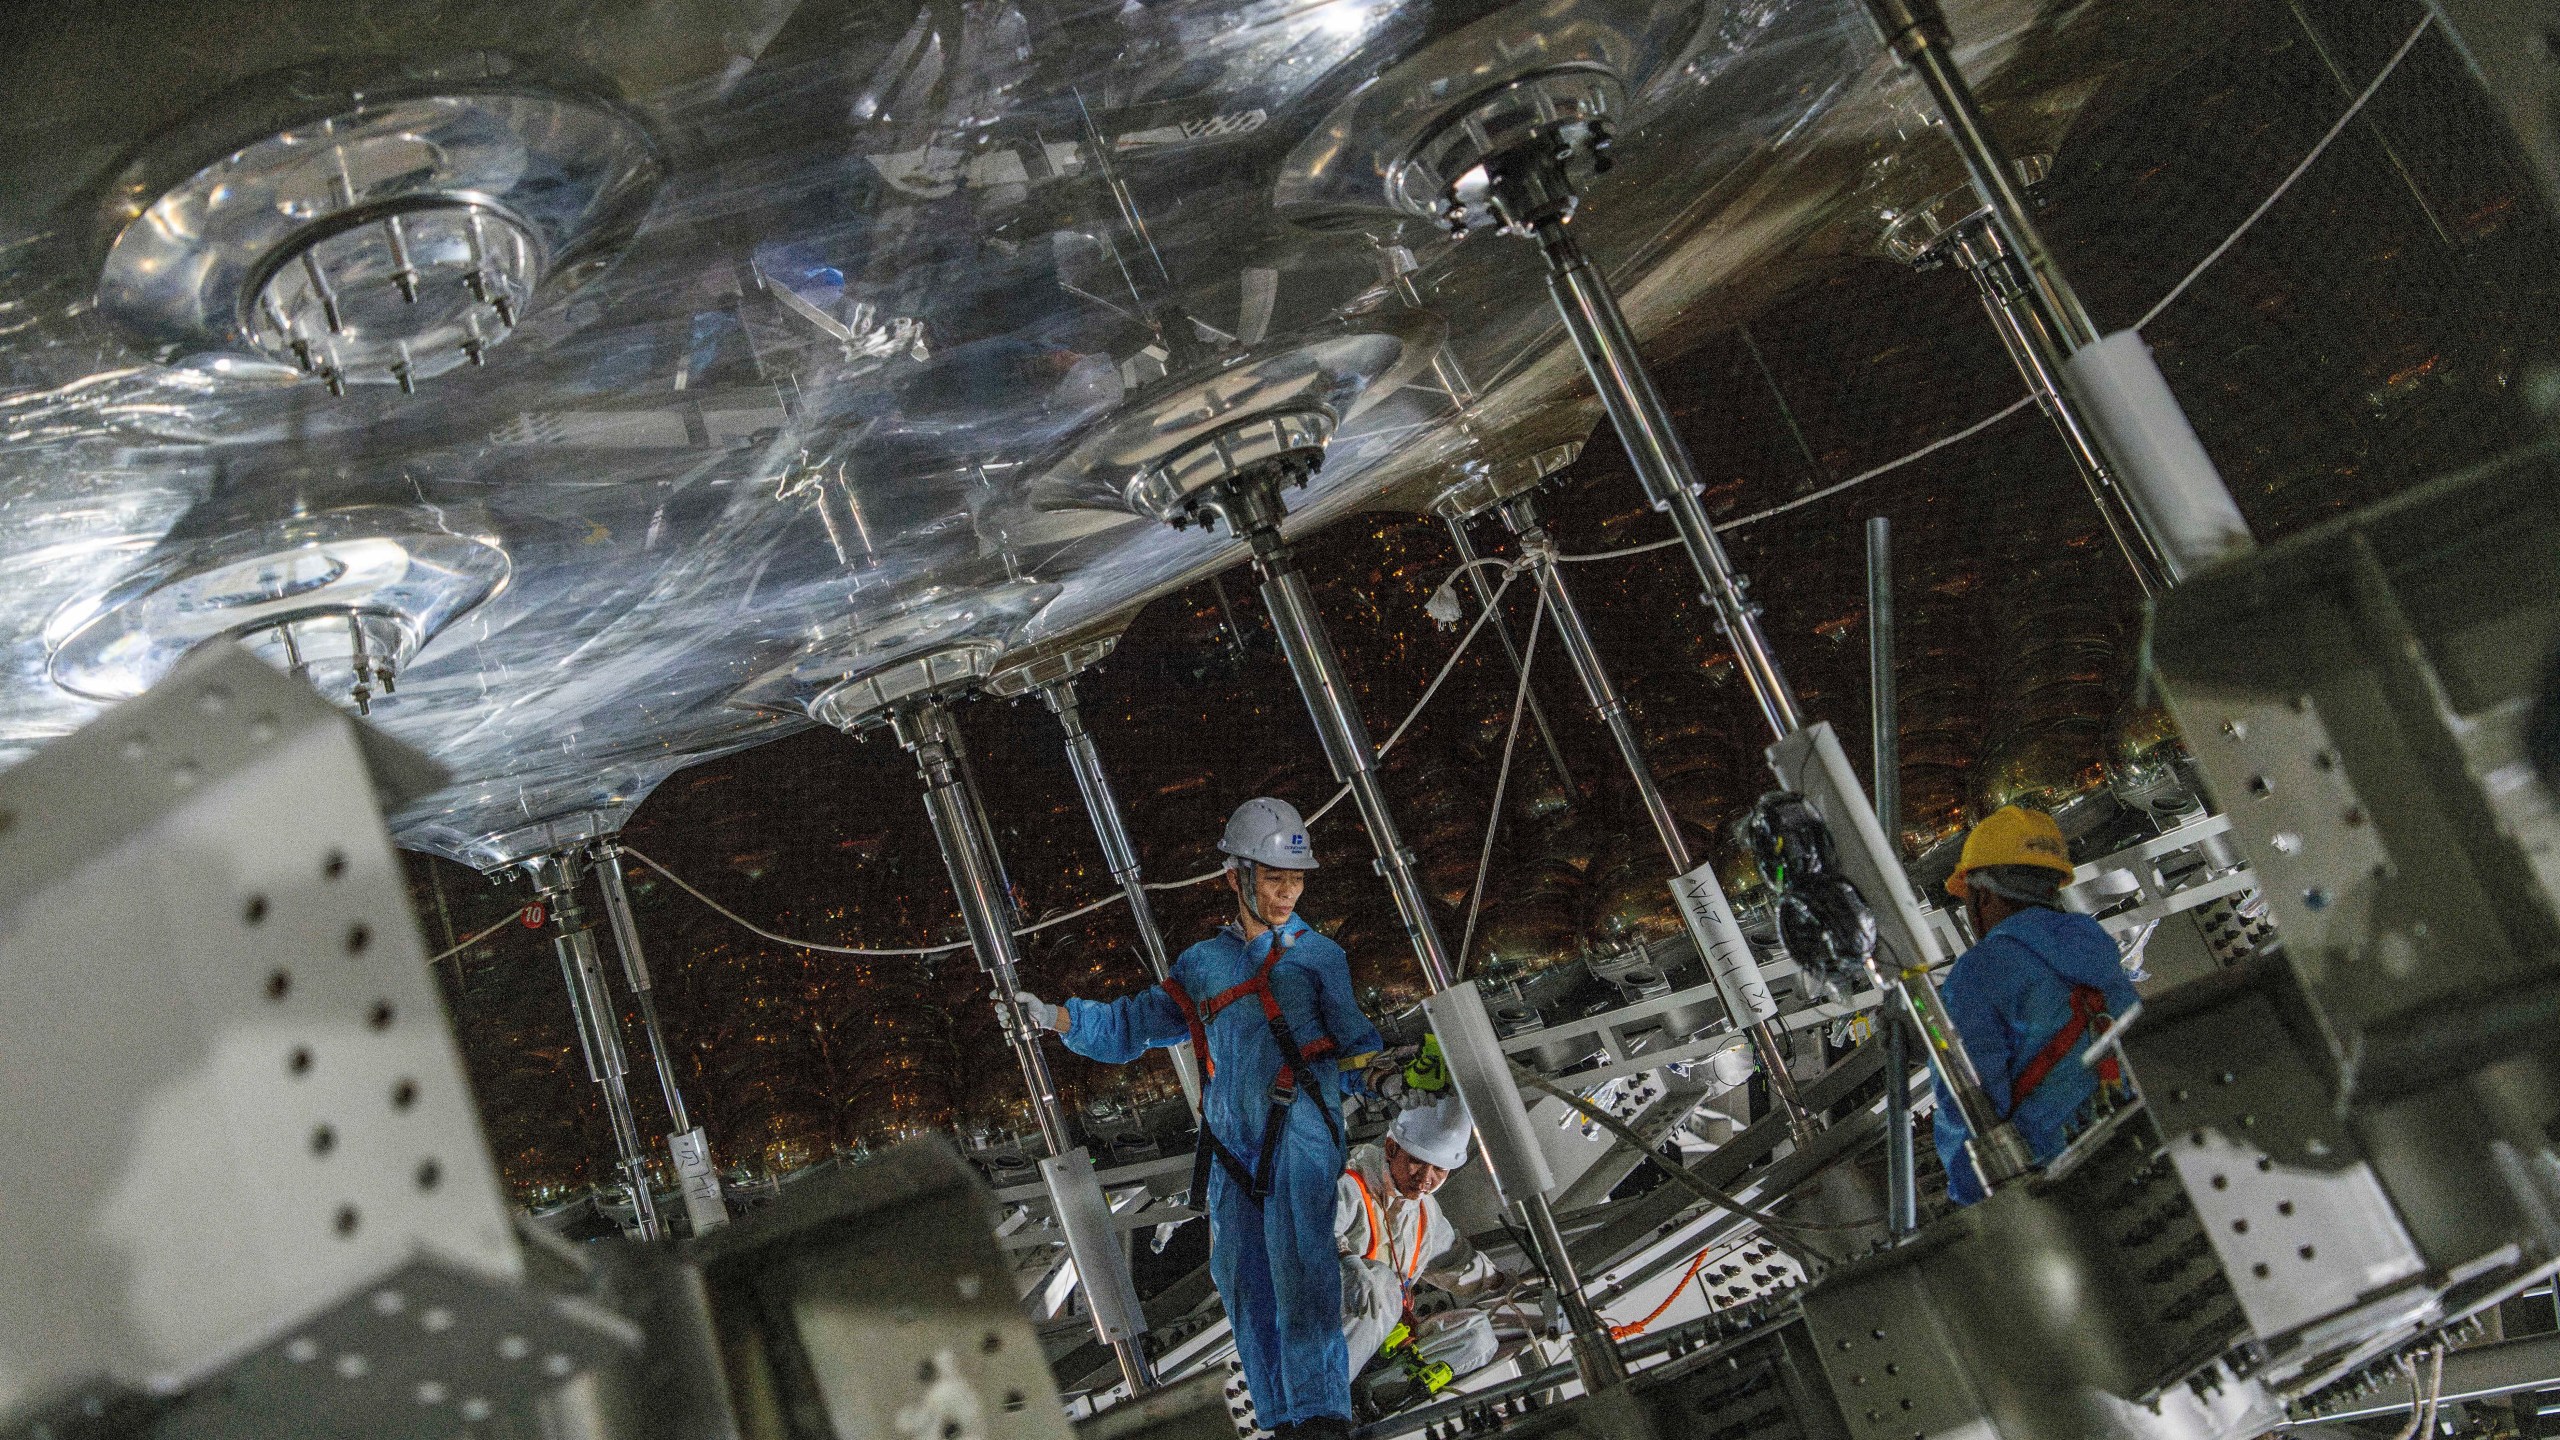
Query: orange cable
1635, 1328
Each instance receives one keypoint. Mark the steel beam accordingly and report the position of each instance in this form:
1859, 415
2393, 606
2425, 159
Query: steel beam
1884, 719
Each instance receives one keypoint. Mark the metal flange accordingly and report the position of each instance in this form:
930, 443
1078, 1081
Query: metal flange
1484, 483
862, 703
1023, 675
343, 599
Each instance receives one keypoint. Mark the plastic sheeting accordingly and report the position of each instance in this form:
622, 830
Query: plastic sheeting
902, 261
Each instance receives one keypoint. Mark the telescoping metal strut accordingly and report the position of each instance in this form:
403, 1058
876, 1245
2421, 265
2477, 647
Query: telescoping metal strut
1054, 677
923, 725
1516, 157
1238, 480
555, 878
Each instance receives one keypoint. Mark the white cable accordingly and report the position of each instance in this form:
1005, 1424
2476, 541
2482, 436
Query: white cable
1888, 467
467, 943
734, 918
1510, 572
2298, 171
1511, 569
1502, 778
2154, 313
1619, 554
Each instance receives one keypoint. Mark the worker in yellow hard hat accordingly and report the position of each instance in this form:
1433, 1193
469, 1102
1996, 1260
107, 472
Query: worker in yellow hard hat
2039, 986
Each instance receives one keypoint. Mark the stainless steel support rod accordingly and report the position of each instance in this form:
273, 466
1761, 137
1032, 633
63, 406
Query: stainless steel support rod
599, 1031
1250, 502
923, 726
1103, 807
1916, 31
1336, 713
1661, 458
1501, 629
1595, 1355
2033, 339
1539, 547
635, 969
1902, 1185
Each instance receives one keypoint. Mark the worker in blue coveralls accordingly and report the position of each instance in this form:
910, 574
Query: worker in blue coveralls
1267, 1003
2031, 996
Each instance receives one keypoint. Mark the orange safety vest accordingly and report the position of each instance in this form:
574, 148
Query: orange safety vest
1378, 1228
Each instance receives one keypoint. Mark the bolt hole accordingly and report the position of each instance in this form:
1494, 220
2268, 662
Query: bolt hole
334, 866
2284, 1207
924, 1372
1014, 1401
404, 1094
991, 1343
2306, 1252
279, 984
2240, 1227
346, 1222
2259, 787
2260, 1270
379, 1017
430, 1175
298, 1064
2221, 1182
358, 937
255, 912
323, 1140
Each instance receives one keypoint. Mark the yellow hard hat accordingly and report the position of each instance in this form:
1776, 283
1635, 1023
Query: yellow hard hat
2012, 835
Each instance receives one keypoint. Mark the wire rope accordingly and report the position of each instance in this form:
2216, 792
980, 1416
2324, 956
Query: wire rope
2211, 258
1502, 779
467, 942
1511, 569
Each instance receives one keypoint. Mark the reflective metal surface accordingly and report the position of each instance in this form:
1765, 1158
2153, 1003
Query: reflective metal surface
821, 317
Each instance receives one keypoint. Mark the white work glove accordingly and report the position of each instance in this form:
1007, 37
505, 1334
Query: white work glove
1041, 1014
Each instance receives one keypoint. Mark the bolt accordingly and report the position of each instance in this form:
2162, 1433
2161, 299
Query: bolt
505, 305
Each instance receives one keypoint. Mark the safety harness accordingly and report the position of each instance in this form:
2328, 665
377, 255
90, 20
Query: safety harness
2088, 1013
1296, 1076
1378, 1227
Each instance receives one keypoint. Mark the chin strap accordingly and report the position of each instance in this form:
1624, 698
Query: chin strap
1248, 887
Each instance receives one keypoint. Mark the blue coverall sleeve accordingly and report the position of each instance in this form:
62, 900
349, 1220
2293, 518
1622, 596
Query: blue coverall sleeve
1970, 995
2098, 964
1116, 1032
1343, 1019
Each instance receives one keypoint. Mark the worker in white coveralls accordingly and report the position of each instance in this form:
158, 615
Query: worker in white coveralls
1393, 1237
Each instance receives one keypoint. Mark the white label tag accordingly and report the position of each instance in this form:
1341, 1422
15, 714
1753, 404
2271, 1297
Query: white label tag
1726, 950
699, 1181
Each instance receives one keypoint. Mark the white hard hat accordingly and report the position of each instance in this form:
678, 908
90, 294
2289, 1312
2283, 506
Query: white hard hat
1435, 1134
1264, 831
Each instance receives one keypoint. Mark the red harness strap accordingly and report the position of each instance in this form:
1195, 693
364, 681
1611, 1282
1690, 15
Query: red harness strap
2088, 1013
1294, 1075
